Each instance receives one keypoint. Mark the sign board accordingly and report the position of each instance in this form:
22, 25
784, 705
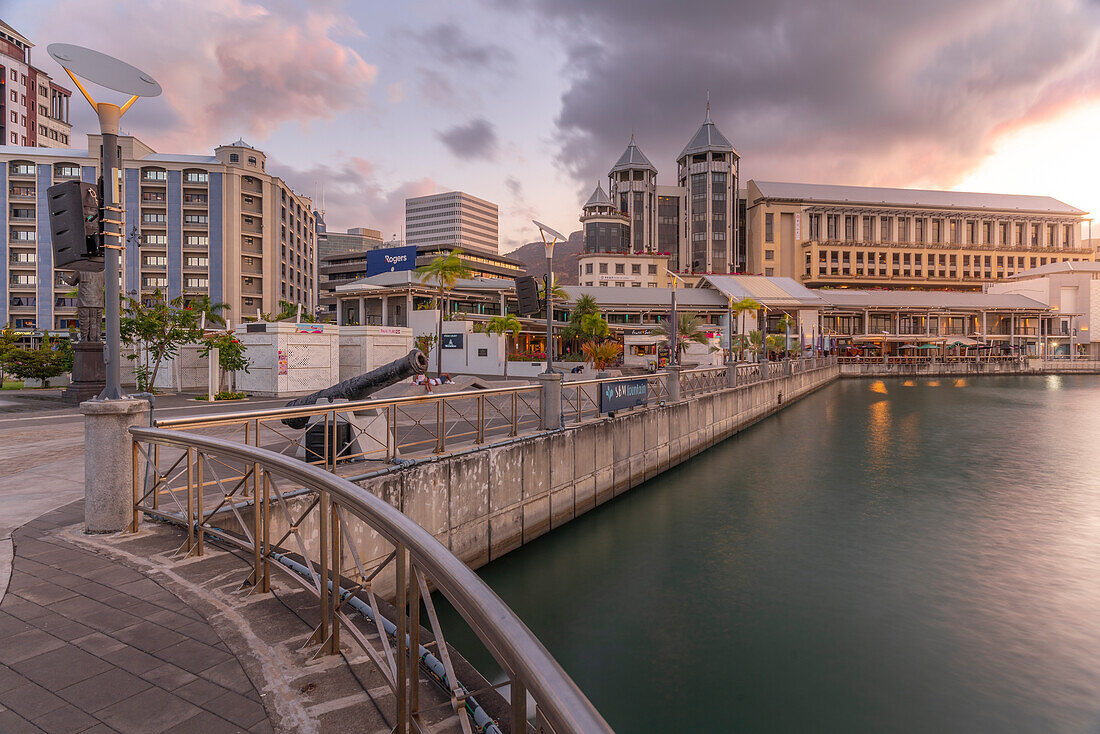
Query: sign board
391, 259
283, 362
623, 394
452, 341
309, 328
618, 278
797, 227
389, 330
255, 328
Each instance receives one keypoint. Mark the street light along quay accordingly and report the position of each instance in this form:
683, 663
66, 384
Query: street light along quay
119, 76
549, 245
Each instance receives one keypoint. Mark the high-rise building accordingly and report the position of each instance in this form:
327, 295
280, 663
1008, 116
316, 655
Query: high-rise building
217, 225
697, 223
452, 220
708, 168
34, 112
633, 181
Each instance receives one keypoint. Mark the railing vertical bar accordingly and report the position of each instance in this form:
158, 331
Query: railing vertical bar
323, 542
518, 705
337, 554
136, 518
190, 500
156, 469
199, 502
401, 604
414, 642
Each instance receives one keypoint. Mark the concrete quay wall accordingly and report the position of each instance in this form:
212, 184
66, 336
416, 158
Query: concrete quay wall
484, 503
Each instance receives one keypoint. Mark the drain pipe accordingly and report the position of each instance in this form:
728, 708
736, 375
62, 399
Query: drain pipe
432, 664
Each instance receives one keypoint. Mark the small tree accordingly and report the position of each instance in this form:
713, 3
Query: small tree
156, 331
509, 326
424, 343
231, 355
8, 340
49, 359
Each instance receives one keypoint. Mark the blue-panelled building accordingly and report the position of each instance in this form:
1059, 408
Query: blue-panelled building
217, 225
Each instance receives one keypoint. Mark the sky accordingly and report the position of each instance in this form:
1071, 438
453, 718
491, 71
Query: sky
527, 103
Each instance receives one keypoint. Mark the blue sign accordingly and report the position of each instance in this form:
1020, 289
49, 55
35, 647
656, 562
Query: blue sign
452, 341
391, 259
623, 394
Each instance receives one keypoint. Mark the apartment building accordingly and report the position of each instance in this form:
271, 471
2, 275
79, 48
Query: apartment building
217, 225
34, 111
857, 236
356, 239
451, 220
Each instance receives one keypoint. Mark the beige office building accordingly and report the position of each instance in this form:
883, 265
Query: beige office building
217, 225
623, 270
863, 237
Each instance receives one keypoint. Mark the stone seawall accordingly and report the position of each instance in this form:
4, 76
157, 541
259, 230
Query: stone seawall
486, 502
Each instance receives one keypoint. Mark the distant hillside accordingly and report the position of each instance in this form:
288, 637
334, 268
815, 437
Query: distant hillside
533, 255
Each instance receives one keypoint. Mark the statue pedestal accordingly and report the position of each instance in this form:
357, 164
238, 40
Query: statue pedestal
89, 373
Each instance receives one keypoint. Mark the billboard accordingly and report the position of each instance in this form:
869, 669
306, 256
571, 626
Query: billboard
391, 259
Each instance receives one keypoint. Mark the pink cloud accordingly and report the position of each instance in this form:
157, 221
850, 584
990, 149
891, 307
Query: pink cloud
228, 67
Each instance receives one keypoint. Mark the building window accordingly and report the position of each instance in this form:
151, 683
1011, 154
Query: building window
769, 227
234, 158
603, 268
769, 272
252, 160
588, 268
769, 254
620, 269
635, 268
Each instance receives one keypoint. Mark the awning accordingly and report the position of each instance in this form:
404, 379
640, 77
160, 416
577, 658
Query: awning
892, 338
961, 341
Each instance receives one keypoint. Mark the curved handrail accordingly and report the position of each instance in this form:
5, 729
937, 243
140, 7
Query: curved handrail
562, 702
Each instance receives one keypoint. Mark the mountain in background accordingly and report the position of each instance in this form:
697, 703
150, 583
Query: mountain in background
533, 256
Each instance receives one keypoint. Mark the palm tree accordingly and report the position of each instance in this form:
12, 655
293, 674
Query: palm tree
601, 355
444, 271
556, 291
688, 329
203, 305
507, 325
785, 324
740, 308
585, 305
594, 328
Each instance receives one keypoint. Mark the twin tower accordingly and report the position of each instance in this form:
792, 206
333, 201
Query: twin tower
697, 222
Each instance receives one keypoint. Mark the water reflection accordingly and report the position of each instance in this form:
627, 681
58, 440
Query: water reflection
920, 560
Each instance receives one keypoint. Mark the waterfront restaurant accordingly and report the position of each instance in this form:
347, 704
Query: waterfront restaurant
930, 323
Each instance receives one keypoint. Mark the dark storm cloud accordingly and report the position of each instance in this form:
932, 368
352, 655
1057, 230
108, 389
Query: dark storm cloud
475, 139
450, 44
849, 91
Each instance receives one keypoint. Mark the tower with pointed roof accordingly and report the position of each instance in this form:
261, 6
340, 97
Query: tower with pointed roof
605, 228
709, 169
633, 185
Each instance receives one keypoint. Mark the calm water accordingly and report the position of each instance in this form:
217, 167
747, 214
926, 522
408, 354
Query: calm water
918, 556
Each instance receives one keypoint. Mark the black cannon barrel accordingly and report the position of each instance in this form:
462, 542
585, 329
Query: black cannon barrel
359, 387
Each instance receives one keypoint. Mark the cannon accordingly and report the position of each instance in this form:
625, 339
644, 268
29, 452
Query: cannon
359, 387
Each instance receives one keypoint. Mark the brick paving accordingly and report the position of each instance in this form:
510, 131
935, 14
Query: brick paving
89, 645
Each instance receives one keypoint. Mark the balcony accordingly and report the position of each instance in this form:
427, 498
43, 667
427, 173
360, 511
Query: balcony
21, 171
21, 193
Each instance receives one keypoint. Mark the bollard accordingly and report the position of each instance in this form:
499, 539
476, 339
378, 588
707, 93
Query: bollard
108, 462
731, 374
551, 400
673, 384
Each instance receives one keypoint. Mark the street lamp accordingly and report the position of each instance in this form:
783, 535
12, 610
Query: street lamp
673, 322
119, 76
549, 247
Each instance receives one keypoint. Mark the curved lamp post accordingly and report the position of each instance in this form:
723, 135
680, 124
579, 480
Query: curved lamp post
548, 244
119, 76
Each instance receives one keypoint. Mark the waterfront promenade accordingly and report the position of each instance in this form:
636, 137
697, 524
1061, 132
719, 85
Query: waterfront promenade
113, 633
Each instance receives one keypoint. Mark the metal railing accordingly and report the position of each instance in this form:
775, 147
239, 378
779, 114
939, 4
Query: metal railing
379, 429
274, 499
928, 359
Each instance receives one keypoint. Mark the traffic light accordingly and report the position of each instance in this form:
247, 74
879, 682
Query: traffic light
74, 225
527, 293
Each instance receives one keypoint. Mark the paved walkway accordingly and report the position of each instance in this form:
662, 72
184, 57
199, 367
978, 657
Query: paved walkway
89, 645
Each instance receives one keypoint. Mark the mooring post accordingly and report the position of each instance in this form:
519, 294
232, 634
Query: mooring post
108, 462
551, 400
